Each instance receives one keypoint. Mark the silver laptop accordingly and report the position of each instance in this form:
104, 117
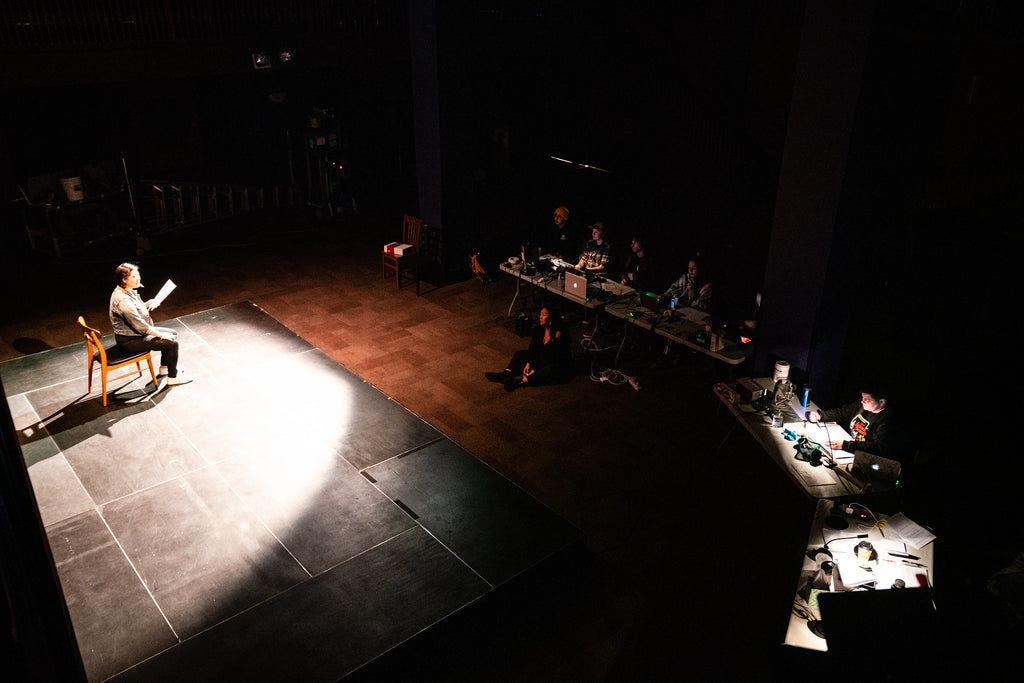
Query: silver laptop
875, 469
576, 286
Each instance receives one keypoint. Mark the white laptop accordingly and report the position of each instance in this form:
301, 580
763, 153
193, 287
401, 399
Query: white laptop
576, 286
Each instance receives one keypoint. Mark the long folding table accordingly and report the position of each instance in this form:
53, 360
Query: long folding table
600, 290
679, 328
903, 559
815, 480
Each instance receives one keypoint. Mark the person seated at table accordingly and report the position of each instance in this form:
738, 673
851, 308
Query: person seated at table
561, 242
692, 289
870, 421
548, 360
638, 272
597, 251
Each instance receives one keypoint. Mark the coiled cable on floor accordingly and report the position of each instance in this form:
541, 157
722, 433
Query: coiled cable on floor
612, 376
609, 375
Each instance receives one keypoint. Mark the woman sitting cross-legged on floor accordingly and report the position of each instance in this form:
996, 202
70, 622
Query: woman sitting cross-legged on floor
548, 360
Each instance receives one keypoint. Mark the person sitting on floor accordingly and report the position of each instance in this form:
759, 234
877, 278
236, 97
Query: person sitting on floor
597, 252
548, 360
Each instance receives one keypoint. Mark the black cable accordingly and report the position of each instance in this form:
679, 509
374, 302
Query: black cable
840, 538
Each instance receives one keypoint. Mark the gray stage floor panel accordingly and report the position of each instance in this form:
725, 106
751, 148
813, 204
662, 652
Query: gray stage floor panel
332, 624
277, 518
468, 508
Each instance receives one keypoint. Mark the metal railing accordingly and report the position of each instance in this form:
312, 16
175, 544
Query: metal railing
170, 205
127, 23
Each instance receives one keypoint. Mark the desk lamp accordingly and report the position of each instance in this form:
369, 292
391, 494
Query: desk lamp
823, 556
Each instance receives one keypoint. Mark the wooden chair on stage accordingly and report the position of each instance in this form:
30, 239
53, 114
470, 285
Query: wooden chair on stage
111, 359
405, 267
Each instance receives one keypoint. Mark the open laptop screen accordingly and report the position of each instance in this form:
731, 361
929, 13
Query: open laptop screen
576, 285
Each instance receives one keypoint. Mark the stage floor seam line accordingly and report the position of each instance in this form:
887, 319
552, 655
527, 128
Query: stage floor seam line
245, 504
421, 446
128, 559
440, 542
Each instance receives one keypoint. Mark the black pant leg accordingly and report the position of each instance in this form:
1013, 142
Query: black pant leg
168, 350
519, 361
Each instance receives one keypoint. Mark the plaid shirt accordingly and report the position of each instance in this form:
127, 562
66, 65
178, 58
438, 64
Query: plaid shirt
595, 255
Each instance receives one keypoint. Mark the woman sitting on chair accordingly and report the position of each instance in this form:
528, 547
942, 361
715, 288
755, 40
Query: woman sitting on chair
693, 288
548, 360
133, 325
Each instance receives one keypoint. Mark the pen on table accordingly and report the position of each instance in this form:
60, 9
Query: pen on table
905, 562
904, 556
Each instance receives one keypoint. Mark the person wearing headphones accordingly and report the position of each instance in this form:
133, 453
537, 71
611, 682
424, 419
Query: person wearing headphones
868, 420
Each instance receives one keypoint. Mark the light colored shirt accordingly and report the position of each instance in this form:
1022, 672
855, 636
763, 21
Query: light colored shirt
690, 292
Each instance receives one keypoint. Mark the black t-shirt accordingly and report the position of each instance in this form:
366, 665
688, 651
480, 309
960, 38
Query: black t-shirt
872, 432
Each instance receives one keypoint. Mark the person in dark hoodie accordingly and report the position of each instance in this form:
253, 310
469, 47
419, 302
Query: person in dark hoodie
562, 241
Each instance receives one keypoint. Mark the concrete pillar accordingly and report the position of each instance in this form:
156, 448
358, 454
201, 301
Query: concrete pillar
443, 129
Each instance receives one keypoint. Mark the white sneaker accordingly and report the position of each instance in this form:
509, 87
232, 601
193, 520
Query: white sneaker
182, 378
